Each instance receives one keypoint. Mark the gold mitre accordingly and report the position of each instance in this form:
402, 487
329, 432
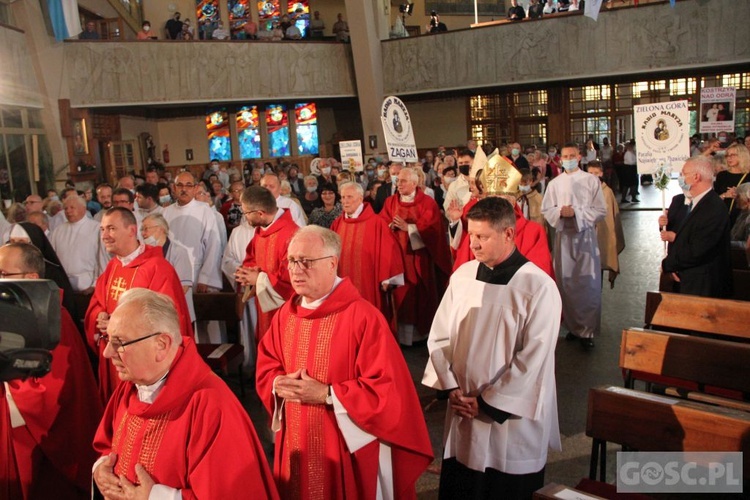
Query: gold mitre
500, 176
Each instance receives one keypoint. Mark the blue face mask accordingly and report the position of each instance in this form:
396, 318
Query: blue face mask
569, 165
515, 151
683, 185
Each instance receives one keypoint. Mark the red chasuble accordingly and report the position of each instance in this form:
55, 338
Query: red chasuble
426, 270
50, 456
267, 250
342, 343
195, 436
370, 254
149, 270
531, 241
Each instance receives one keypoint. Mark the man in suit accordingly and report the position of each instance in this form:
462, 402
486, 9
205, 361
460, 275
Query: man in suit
699, 258
389, 186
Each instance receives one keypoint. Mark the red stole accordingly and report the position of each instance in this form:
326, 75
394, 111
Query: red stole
149, 270
267, 250
342, 343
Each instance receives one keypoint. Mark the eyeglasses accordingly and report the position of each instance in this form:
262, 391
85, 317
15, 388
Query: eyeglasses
118, 345
180, 185
148, 228
732, 154
303, 263
252, 212
3, 274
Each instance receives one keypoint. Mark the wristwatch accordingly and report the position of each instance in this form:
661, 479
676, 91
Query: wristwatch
329, 398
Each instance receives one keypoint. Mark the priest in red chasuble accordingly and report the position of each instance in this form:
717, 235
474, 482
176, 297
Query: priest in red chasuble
135, 266
370, 254
416, 221
47, 423
264, 268
337, 387
173, 429
495, 176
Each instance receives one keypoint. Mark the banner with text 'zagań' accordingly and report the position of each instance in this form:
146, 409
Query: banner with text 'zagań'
399, 134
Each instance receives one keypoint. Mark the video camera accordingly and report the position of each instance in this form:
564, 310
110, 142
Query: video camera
29, 327
406, 8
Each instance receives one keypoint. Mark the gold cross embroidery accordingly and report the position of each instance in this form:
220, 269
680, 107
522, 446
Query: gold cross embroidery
117, 288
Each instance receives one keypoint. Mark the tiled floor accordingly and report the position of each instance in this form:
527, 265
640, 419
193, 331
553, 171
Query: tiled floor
577, 370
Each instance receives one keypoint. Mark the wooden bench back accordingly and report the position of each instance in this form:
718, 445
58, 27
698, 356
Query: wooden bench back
705, 361
689, 313
221, 306
647, 422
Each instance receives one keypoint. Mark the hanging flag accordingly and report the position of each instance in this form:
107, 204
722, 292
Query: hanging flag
64, 17
672, 2
591, 9
635, 2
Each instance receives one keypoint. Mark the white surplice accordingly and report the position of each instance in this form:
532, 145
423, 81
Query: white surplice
234, 255
194, 225
498, 341
178, 255
81, 252
576, 254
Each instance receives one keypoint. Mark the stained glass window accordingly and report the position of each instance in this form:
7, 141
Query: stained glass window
248, 131
239, 15
299, 13
277, 122
217, 128
207, 15
268, 11
306, 118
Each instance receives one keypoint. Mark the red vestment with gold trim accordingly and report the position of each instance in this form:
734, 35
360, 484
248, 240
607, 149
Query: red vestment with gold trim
50, 456
426, 269
149, 270
267, 250
370, 254
342, 343
195, 436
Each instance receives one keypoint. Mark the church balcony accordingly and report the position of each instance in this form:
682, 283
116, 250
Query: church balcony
653, 38
116, 73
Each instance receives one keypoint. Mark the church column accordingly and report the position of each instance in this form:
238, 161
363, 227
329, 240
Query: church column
368, 24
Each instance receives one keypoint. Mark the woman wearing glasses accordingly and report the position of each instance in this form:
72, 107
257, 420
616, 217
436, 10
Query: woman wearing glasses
725, 185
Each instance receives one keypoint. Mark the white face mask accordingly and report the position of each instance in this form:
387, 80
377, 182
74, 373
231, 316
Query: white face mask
570, 164
394, 179
449, 180
147, 28
524, 189
164, 199
214, 167
151, 240
311, 189
326, 170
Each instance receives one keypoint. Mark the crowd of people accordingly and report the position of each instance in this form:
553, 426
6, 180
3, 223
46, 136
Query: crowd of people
285, 27
479, 253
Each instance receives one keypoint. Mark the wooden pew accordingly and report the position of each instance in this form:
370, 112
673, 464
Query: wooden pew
707, 370
648, 422
674, 312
